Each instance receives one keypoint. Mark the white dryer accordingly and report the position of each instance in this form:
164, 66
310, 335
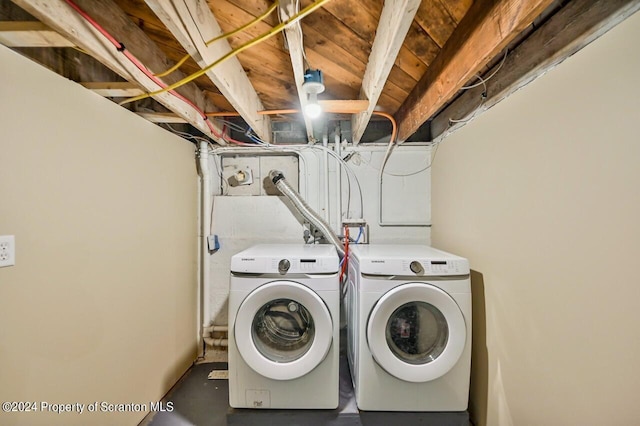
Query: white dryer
409, 333
284, 317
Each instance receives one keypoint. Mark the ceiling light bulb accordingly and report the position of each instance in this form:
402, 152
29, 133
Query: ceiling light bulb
313, 84
312, 110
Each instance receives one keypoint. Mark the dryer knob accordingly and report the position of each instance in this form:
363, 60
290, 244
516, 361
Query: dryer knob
416, 267
283, 266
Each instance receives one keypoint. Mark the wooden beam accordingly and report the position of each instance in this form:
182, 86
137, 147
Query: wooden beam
344, 106
395, 20
487, 28
161, 117
115, 89
293, 36
193, 24
573, 27
30, 34
61, 17
328, 106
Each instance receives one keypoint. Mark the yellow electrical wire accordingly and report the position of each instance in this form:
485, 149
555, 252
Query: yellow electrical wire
245, 26
175, 67
273, 31
220, 37
81, 50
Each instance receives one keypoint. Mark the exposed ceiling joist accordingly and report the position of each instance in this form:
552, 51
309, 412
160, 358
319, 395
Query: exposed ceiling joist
572, 28
293, 36
336, 107
193, 25
485, 30
337, 39
115, 89
161, 117
30, 34
61, 17
341, 106
395, 20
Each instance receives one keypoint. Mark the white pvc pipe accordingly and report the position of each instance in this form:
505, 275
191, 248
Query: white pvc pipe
216, 342
199, 330
215, 328
338, 180
325, 166
205, 226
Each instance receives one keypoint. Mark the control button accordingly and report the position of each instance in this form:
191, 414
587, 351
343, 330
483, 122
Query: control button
284, 266
416, 267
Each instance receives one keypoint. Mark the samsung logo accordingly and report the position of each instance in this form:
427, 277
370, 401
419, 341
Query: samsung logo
377, 261
248, 259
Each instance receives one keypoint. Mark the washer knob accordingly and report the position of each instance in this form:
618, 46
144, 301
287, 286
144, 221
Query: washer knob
283, 266
416, 267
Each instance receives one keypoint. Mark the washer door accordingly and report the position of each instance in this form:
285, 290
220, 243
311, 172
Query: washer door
416, 332
283, 330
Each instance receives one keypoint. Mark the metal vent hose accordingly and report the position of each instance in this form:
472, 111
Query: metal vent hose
307, 212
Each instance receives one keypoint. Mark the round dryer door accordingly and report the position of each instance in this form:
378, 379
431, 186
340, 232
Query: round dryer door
283, 330
416, 332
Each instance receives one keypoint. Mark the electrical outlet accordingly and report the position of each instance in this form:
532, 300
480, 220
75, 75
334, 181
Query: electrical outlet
7, 250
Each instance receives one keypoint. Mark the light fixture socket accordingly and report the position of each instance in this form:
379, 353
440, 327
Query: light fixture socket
313, 84
313, 81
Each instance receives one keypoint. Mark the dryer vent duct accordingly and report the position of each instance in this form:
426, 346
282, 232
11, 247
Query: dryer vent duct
303, 208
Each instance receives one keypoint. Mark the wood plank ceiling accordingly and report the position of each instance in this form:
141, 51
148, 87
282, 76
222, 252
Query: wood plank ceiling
411, 77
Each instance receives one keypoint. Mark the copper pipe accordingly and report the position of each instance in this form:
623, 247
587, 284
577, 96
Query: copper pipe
394, 129
297, 111
279, 111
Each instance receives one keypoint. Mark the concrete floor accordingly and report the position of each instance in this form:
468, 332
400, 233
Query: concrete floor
200, 401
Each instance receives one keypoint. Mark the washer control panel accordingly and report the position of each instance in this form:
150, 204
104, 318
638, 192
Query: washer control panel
286, 259
416, 267
283, 266
299, 265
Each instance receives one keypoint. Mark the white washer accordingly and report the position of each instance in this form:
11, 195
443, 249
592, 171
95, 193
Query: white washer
409, 333
284, 318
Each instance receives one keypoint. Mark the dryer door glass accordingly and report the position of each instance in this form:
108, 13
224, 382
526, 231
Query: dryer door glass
417, 333
283, 330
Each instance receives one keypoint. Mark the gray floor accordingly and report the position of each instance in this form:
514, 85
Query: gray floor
202, 402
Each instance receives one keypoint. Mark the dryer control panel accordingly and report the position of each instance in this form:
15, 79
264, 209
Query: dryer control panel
419, 261
419, 268
435, 267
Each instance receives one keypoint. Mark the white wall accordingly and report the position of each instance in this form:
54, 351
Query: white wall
542, 194
406, 192
242, 221
101, 305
